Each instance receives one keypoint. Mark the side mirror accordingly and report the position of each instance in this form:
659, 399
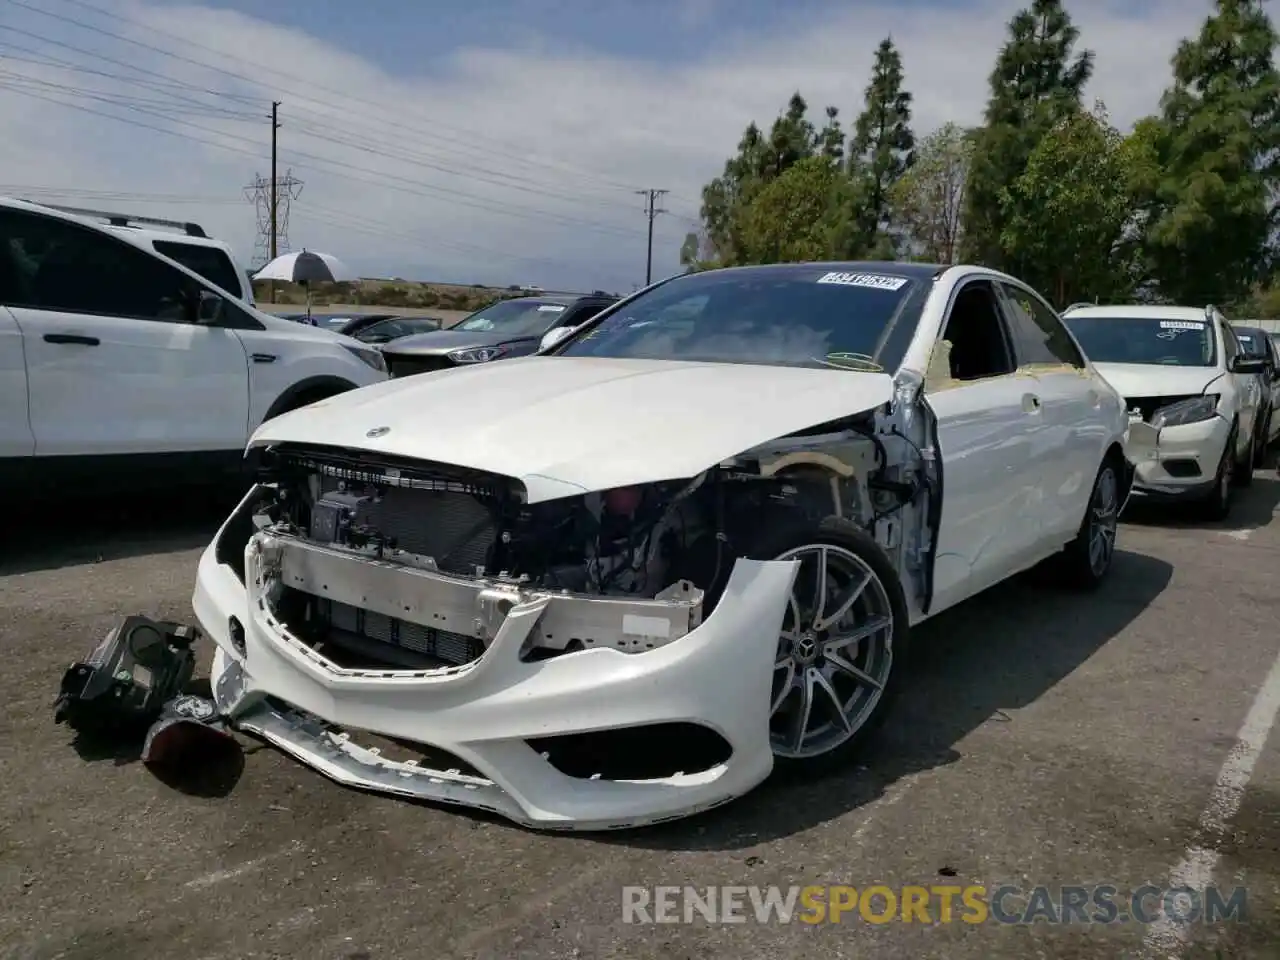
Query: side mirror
555, 336
1243, 364
209, 308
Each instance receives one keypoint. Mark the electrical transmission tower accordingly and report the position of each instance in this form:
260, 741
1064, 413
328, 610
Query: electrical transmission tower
270, 197
273, 230
651, 211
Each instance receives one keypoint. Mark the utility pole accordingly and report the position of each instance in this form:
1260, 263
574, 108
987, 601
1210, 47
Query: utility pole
275, 125
651, 211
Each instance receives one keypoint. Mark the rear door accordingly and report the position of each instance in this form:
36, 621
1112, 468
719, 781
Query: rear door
1075, 433
113, 364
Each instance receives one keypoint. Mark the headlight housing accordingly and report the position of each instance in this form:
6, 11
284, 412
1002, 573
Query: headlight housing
1195, 410
373, 358
477, 355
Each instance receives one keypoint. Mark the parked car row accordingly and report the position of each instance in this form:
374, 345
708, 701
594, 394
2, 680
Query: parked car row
665, 545
1200, 400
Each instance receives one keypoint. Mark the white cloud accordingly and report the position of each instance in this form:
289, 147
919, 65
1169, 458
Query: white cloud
560, 139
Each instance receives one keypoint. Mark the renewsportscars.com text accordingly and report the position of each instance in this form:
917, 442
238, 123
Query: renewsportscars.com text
878, 904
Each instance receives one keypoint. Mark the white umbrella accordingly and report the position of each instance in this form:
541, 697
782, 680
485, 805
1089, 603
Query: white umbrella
306, 267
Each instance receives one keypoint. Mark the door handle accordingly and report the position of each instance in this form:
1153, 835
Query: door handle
264, 358
71, 338
1030, 403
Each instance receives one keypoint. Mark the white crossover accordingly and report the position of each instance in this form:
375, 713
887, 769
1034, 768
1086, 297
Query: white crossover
1191, 391
121, 361
681, 547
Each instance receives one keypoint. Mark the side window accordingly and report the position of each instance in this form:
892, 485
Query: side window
1038, 334
56, 265
979, 341
210, 262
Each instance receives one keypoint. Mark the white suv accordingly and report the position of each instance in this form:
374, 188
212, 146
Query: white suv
190, 246
117, 358
1192, 396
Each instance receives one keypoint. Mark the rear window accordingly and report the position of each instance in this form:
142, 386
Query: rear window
1252, 342
210, 262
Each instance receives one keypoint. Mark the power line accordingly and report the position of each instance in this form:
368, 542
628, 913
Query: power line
318, 130
348, 171
471, 137
651, 211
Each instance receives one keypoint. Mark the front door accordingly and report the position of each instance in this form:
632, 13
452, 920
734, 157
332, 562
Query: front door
989, 430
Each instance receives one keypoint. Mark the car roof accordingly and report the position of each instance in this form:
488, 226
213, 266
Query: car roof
1136, 311
912, 271
1245, 328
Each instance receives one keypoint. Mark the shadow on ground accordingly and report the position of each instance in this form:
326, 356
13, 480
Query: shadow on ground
91, 529
999, 651
206, 765
1253, 509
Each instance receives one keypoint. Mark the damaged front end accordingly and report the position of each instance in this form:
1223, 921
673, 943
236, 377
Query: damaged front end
587, 662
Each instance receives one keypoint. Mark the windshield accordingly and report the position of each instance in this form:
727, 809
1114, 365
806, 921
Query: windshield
518, 318
783, 316
397, 327
1177, 343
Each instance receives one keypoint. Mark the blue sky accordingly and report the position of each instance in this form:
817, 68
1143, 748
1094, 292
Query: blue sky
499, 141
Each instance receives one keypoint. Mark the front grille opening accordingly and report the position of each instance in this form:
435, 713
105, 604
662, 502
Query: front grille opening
653, 751
356, 639
398, 750
411, 366
1182, 467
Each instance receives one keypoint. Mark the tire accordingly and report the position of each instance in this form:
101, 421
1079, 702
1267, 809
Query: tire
1260, 447
1242, 476
827, 743
1217, 505
1086, 561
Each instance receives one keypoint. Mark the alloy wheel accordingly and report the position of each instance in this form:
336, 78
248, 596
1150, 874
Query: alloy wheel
1104, 514
835, 652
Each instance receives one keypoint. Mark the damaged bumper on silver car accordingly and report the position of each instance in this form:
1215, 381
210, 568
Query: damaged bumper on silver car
553, 709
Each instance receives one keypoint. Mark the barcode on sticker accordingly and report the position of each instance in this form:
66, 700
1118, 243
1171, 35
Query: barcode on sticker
1182, 324
875, 281
634, 625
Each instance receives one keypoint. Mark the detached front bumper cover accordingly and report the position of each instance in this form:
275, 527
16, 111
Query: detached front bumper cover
484, 718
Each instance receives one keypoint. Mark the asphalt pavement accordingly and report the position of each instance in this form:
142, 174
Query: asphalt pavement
1046, 738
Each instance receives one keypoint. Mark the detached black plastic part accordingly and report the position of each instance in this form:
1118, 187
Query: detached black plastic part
124, 684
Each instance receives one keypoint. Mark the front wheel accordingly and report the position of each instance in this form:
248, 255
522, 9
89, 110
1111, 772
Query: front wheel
1217, 505
1087, 559
841, 646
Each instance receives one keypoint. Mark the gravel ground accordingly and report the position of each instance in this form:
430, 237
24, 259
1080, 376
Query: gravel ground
1045, 739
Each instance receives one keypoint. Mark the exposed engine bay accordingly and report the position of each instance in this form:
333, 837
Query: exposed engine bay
675, 540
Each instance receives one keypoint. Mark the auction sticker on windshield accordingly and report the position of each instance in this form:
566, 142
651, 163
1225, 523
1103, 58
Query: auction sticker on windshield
551, 308
1182, 324
875, 281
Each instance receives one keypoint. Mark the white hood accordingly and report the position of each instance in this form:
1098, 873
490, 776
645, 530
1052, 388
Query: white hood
1157, 379
568, 425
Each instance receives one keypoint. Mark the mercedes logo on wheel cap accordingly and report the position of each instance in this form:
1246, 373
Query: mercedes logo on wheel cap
378, 432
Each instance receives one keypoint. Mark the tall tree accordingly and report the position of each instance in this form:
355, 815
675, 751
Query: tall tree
759, 161
831, 137
798, 215
1066, 216
880, 151
1036, 82
1213, 211
927, 201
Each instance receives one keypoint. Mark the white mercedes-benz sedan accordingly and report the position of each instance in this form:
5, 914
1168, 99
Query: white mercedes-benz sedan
625, 579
